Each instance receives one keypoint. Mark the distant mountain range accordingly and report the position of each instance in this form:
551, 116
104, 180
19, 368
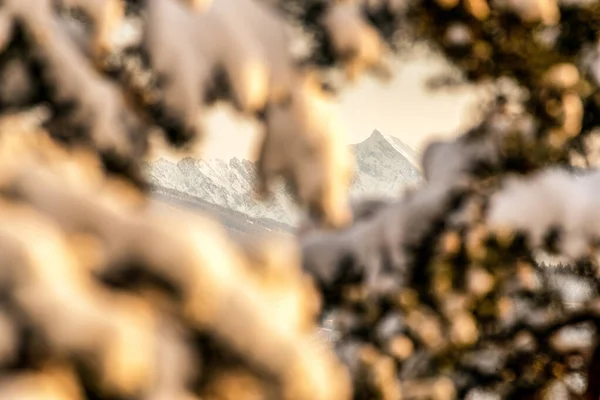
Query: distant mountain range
385, 165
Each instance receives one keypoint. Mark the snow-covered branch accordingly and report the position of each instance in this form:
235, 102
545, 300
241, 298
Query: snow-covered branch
433, 295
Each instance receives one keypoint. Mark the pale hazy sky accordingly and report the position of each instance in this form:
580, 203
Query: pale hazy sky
401, 108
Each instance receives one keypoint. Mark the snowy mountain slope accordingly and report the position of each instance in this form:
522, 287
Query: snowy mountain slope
385, 165
230, 185
238, 225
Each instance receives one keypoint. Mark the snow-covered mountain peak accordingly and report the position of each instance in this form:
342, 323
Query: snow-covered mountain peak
385, 166
389, 144
376, 139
